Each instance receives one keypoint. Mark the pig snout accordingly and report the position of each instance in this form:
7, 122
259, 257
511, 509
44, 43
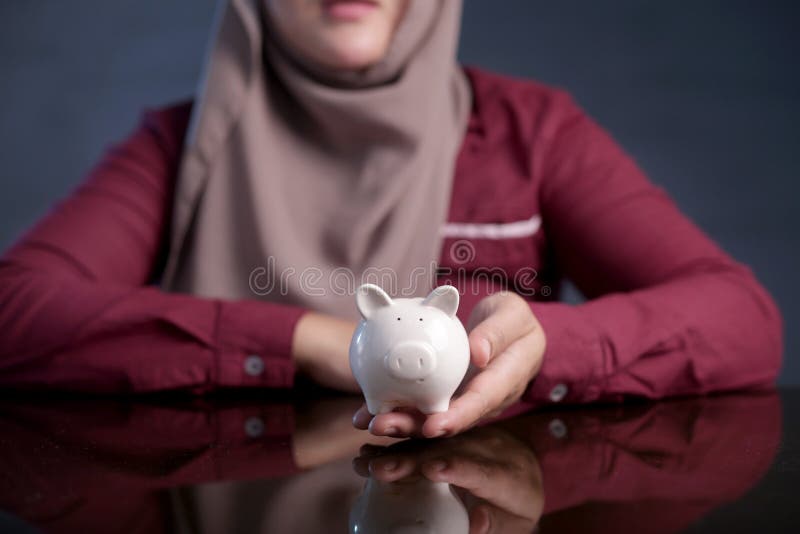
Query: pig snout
412, 360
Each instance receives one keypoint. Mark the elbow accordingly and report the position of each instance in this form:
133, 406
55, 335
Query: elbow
25, 325
735, 341
12, 298
770, 321
761, 338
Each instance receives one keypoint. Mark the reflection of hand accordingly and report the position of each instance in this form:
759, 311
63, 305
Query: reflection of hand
499, 472
507, 344
324, 432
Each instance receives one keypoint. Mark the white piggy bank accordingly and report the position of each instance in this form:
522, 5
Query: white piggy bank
408, 352
408, 507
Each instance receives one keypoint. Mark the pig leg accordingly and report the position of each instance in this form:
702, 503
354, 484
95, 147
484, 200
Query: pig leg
434, 407
376, 406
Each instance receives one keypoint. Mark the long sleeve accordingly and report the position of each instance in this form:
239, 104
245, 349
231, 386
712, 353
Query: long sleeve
668, 312
77, 308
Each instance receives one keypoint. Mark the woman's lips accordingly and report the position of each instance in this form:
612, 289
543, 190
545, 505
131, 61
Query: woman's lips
348, 10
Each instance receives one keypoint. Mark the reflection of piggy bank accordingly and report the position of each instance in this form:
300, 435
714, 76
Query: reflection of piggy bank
408, 506
408, 352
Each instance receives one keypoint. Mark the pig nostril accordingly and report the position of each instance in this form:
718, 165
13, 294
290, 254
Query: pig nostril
420, 362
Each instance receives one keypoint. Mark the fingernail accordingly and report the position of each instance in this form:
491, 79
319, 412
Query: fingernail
391, 431
487, 350
438, 465
439, 433
390, 465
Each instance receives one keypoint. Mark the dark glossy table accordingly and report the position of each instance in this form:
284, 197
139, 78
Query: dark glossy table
271, 464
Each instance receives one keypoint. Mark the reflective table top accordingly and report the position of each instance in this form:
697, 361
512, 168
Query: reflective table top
264, 464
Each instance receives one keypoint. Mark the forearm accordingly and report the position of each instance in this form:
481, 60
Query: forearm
76, 307
702, 332
65, 333
669, 312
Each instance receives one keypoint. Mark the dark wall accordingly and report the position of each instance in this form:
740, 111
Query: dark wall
704, 94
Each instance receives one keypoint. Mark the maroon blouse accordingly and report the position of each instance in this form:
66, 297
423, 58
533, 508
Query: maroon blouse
668, 313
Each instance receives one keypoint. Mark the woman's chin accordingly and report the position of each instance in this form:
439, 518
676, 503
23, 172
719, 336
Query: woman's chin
354, 54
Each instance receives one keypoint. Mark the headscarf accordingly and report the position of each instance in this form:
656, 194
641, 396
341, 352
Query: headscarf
298, 182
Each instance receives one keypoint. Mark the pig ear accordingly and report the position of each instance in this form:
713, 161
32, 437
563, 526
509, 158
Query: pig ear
445, 298
370, 298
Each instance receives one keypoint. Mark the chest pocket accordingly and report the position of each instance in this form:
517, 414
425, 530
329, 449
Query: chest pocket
508, 255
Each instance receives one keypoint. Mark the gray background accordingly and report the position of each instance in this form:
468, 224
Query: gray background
704, 95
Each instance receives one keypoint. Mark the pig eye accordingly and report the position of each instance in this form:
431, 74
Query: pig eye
420, 318
398, 318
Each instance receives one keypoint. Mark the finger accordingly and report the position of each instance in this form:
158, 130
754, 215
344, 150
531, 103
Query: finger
397, 424
492, 519
497, 484
506, 324
390, 468
480, 520
361, 466
485, 481
464, 411
489, 391
361, 418
481, 479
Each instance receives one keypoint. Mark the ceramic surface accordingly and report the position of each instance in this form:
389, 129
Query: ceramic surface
408, 352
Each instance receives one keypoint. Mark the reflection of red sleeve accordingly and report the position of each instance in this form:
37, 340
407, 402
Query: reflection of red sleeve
659, 471
76, 311
106, 464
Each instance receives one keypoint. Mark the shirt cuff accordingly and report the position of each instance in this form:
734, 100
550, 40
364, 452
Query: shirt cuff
572, 367
254, 341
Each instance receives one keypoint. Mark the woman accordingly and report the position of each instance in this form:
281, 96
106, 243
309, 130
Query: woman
339, 136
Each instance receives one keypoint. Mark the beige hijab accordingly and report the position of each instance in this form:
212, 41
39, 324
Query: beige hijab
297, 183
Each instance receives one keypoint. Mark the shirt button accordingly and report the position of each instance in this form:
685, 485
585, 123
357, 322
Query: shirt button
254, 427
253, 365
557, 428
558, 392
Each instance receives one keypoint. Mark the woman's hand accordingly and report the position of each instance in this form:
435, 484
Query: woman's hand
500, 474
320, 350
507, 346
